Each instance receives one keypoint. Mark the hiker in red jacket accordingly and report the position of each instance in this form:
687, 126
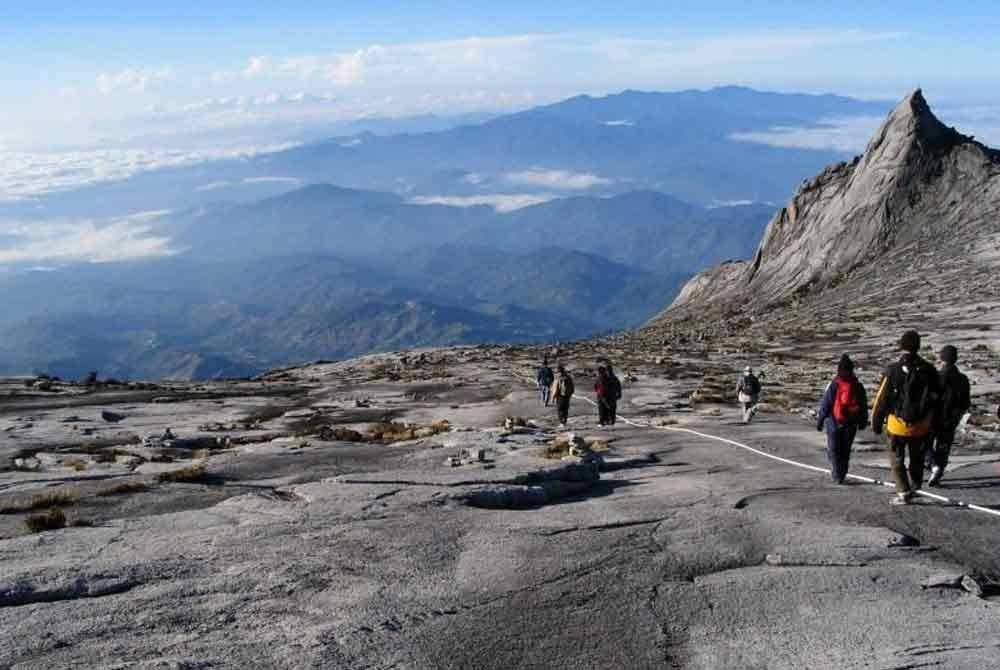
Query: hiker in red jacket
601, 393
843, 411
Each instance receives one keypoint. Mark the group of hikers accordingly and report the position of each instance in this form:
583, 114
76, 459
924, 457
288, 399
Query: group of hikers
559, 388
919, 407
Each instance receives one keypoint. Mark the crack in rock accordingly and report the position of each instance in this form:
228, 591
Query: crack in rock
600, 527
25, 592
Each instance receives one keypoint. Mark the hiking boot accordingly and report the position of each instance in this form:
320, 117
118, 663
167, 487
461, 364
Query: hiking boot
936, 474
900, 499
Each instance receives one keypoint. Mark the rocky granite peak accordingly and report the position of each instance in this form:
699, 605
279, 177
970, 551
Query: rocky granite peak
918, 181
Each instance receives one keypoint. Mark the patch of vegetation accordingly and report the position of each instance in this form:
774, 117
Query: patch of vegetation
77, 464
193, 474
53, 499
50, 520
123, 488
394, 431
263, 415
556, 450
340, 434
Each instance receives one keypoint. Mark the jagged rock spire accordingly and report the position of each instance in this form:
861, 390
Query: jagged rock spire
917, 179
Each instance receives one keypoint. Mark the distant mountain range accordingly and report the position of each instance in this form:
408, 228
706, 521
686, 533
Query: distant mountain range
329, 272
681, 143
555, 223
643, 229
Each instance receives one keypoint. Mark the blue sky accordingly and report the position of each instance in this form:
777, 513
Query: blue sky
96, 72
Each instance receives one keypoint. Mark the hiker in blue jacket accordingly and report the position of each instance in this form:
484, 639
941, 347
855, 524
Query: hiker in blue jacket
843, 411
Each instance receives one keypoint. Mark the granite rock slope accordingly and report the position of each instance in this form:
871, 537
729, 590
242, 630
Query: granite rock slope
918, 182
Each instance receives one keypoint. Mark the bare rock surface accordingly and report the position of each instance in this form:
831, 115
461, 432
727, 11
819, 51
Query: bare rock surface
288, 551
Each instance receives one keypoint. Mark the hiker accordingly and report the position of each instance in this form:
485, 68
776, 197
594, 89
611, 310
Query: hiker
904, 407
601, 393
563, 390
842, 412
748, 392
544, 380
955, 402
614, 394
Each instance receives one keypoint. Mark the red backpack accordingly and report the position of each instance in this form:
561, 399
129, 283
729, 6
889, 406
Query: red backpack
846, 404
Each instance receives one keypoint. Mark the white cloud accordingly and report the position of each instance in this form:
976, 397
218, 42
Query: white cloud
849, 134
246, 181
272, 180
111, 241
27, 174
132, 80
557, 179
255, 67
732, 48
502, 202
475, 56
619, 122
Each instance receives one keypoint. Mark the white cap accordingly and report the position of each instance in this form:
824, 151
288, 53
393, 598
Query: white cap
748, 369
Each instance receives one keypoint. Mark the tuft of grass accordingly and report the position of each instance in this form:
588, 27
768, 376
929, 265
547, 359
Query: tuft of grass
556, 450
395, 431
340, 434
123, 488
77, 464
41, 501
192, 474
263, 415
51, 520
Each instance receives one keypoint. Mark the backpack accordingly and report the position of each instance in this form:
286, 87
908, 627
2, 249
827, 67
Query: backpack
750, 385
913, 398
566, 388
616, 387
846, 403
545, 377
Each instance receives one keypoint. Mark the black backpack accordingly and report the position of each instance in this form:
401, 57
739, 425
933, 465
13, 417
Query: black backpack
913, 391
751, 386
545, 376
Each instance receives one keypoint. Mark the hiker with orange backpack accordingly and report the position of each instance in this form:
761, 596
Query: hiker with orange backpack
843, 411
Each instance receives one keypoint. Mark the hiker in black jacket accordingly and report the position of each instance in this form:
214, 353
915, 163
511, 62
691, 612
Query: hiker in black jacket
544, 380
613, 394
748, 393
955, 402
904, 406
843, 411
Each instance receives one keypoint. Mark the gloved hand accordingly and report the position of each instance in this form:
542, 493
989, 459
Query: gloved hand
819, 428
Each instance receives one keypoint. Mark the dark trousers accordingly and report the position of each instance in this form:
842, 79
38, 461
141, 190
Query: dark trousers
562, 407
607, 410
940, 451
906, 458
839, 440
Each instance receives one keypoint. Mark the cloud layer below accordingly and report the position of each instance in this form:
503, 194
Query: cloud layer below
123, 239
